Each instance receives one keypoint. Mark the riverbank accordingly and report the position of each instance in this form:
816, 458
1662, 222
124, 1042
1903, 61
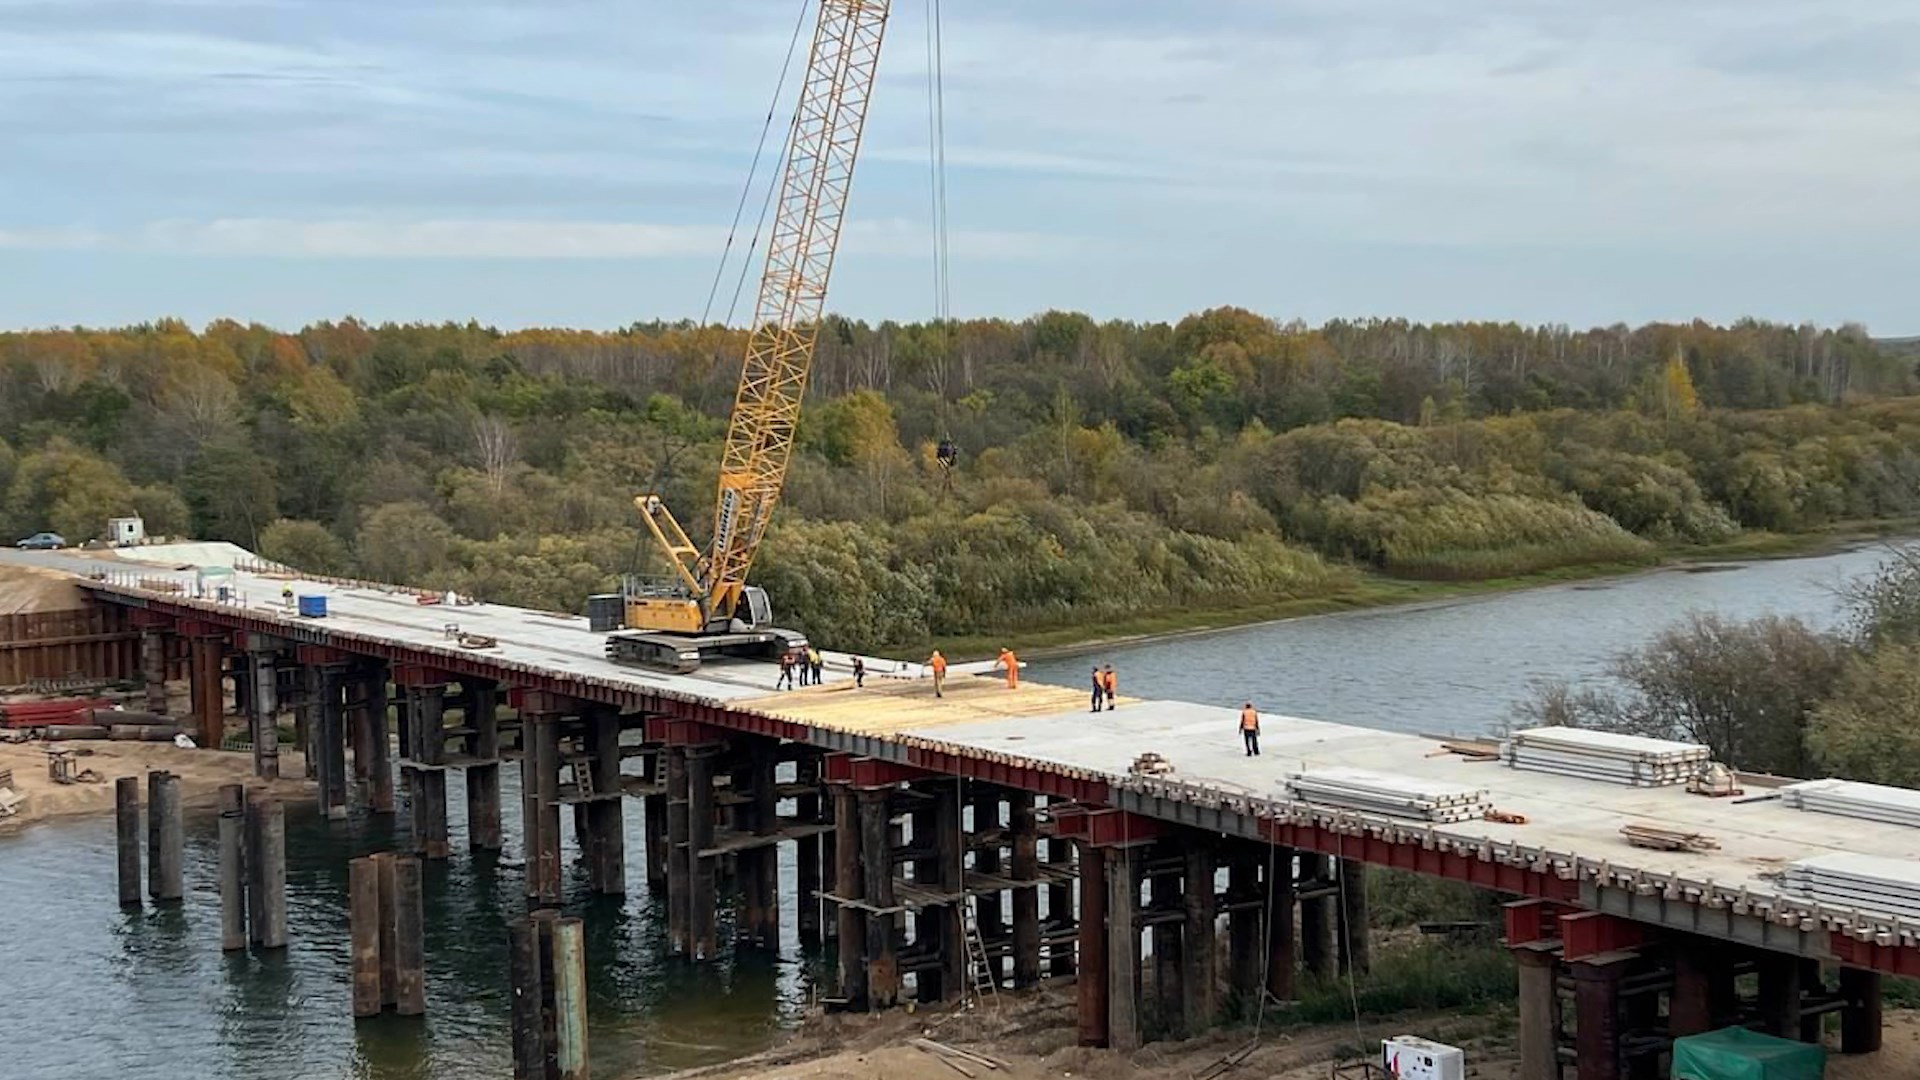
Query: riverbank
201, 772
1033, 1036
1377, 590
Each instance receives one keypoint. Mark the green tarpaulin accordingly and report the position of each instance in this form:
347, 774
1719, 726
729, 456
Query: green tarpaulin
1739, 1054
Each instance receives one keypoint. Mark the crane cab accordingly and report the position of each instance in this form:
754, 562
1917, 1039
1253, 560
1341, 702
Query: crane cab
666, 629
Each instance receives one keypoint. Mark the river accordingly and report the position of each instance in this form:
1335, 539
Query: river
1459, 667
92, 991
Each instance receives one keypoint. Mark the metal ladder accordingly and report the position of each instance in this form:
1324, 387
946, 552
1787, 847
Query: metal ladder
980, 972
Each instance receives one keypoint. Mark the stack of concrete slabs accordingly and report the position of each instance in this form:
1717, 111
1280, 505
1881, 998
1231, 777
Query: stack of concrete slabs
1609, 757
1387, 795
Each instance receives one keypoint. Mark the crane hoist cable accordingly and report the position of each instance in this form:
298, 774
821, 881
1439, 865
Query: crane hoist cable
753, 171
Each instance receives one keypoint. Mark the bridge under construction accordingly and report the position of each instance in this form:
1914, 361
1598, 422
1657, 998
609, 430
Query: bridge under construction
999, 836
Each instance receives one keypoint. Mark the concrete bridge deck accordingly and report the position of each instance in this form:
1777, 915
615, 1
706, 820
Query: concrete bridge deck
1571, 846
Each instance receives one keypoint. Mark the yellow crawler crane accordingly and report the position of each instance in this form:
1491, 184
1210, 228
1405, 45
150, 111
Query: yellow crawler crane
706, 608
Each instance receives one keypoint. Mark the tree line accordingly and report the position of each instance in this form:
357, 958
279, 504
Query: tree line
1106, 470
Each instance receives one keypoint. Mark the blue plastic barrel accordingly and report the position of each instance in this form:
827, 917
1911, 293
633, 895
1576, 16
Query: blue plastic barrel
313, 607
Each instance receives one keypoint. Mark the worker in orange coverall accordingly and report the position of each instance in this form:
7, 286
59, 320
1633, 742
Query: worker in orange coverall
1012, 664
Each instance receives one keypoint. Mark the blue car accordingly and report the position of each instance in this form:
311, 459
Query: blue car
42, 542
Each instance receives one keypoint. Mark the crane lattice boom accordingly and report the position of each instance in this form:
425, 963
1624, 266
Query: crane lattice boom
822, 145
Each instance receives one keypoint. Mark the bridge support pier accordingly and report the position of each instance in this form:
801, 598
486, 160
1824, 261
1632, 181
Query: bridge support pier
758, 868
1860, 1016
1021, 826
424, 770
1093, 985
876, 869
678, 870
1059, 912
653, 818
1596, 1024
330, 739
807, 856
206, 676
987, 842
153, 668
1279, 919
1165, 873
606, 847
1318, 918
850, 922
1198, 955
1356, 952
1702, 998
540, 807
1539, 1008
1246, 910
262, 713
1123, 947
482, 707
703, 925
379, 739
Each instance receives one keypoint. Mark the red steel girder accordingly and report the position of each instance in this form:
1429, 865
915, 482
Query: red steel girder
1021, 774
1106, 827
1434, 862
1903, 960
867, 772
149, 619
674, 731
419, 675
1531, 920
322, 655
1586, 934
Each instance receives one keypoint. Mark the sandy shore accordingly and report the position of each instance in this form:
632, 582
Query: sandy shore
201, 773
1033, 1036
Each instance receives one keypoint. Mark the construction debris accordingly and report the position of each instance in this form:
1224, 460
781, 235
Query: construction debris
953, 1056
1151, 764
1392, 796
1655, 838
1851, 798
1605, 756
1873, 882
1715, 781
1504, 817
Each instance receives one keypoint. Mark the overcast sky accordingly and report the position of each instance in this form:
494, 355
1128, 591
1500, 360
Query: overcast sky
577, 162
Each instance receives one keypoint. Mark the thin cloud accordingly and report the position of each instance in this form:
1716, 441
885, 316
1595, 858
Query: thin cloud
494, 239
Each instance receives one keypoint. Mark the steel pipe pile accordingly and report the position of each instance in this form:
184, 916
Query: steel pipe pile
1631, 760
1869, 884
1850, 798
1392, 796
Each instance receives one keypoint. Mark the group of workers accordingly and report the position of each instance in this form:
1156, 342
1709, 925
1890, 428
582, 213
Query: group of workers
1106, 688
1106, 685
803, 663
805, 667
937, 666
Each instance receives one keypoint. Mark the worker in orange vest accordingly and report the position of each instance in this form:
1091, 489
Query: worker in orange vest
1111, 683
1012, 664
938, 664
1250, 729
